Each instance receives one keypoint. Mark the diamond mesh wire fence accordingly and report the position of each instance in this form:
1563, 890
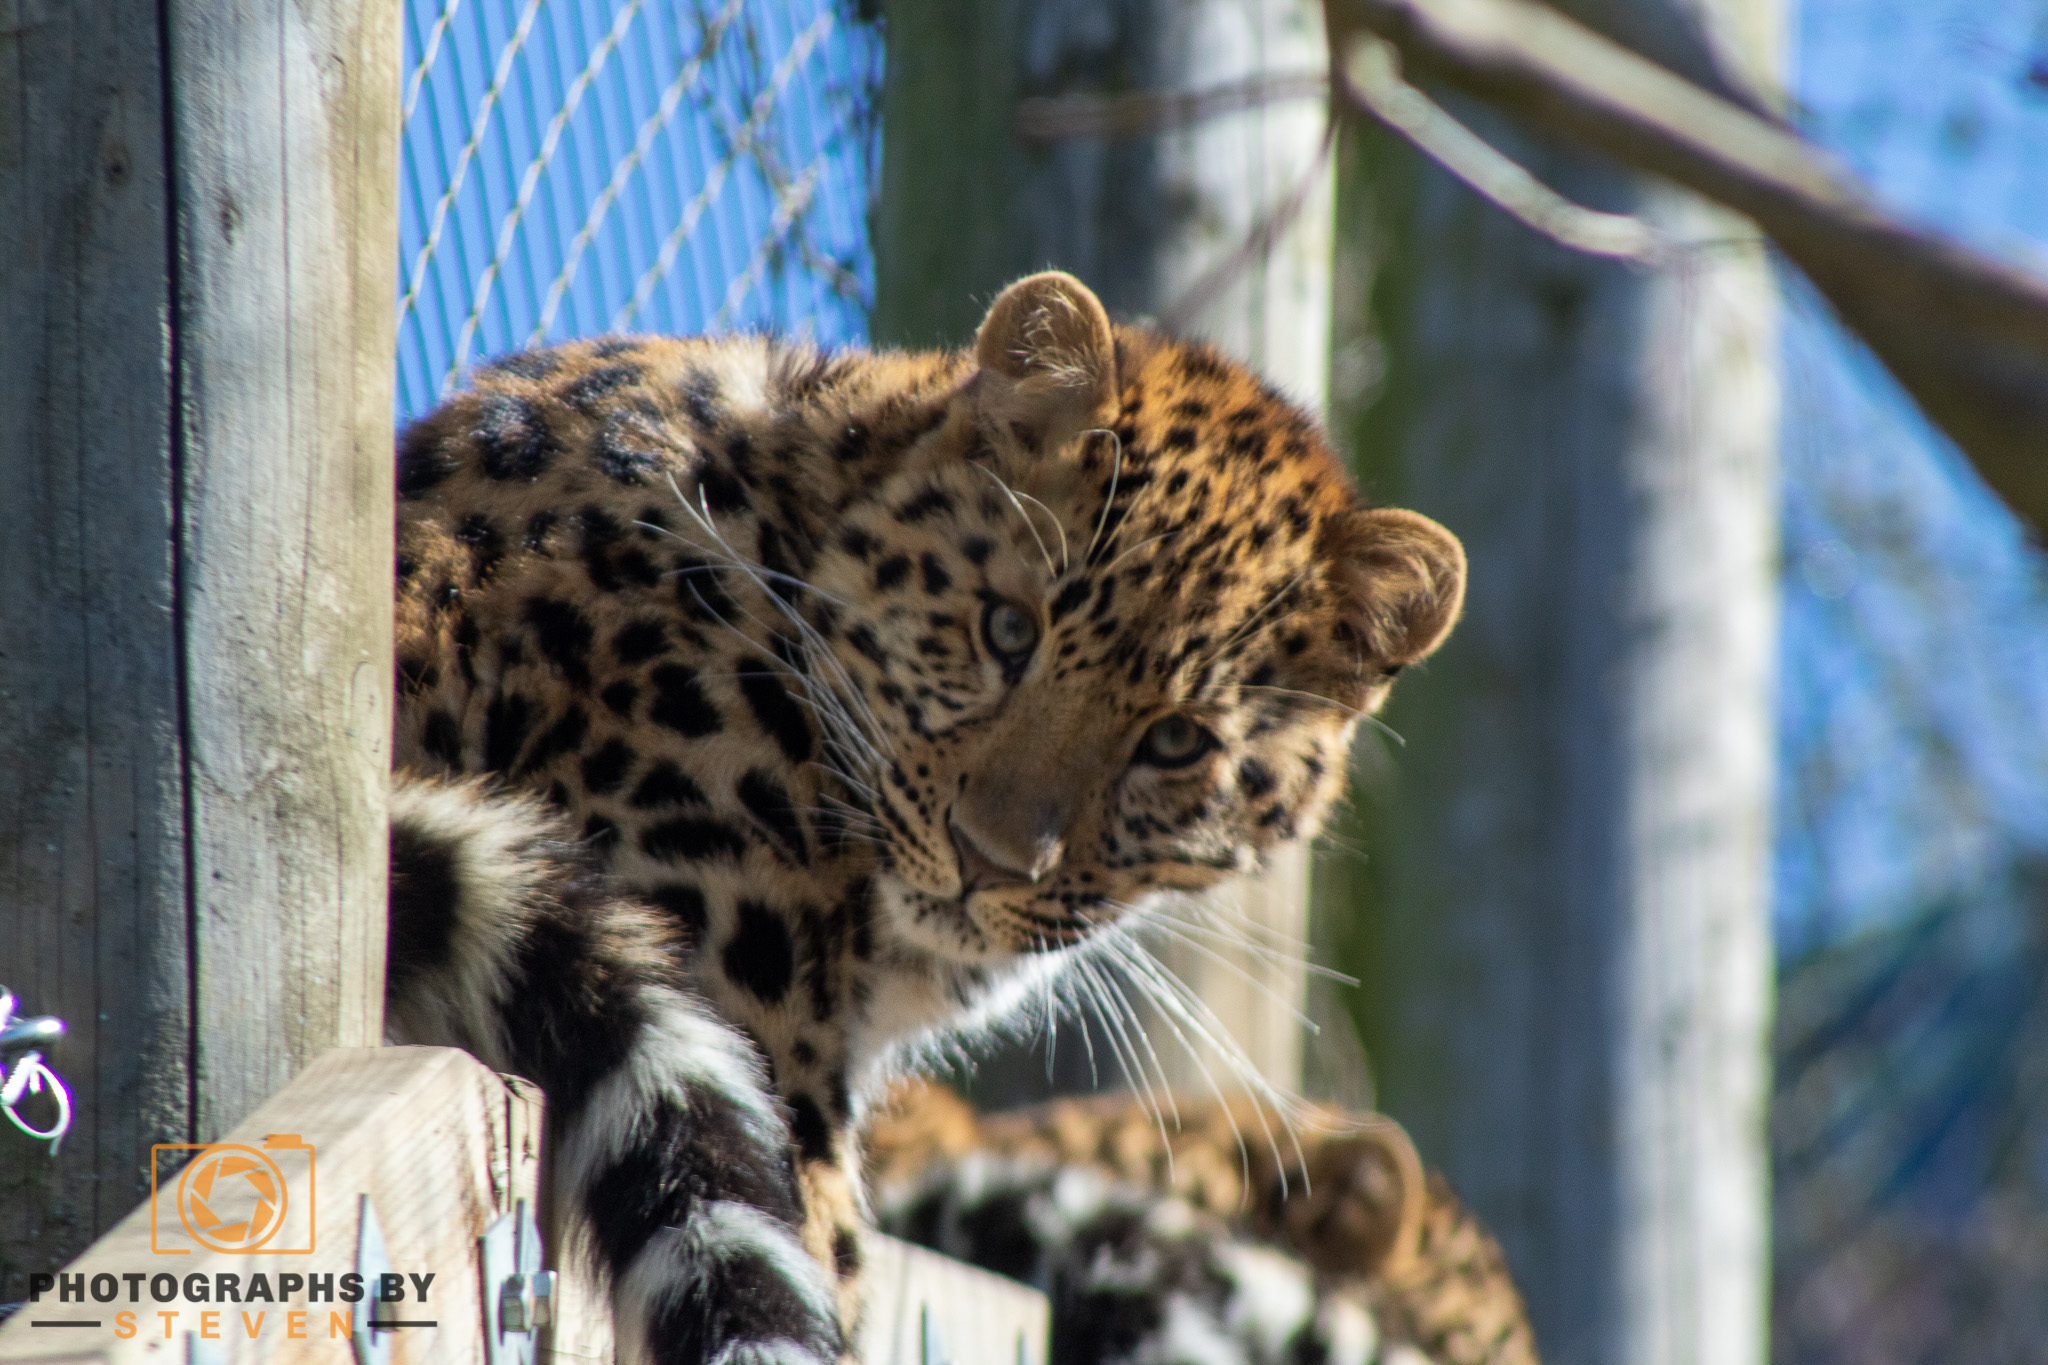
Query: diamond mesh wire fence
573, 167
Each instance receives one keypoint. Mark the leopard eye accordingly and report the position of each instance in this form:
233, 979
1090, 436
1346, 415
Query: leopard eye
1011, 631
1174, 742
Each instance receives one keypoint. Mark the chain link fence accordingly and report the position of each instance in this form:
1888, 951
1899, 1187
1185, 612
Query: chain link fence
575, 167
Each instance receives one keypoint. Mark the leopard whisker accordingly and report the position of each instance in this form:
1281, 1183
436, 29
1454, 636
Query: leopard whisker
1050, 1005
1366, 716
824, 704
877, 737
1120, 1024
1232, 928
1065, 558
1132, 963
1244, 627
761, 570
1087, 999
857, 785
832, 718
825, 818
843, 730
1148, 540
1286, 1107
1081, 1003
846, 806
1135, 1028
1185, 1012
1017, 501
850, 696
1232, 937
857, 837
1178, 933
1116, 472
841, 807
1355, 713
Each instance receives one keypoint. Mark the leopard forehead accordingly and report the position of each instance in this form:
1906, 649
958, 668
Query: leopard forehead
1171, 542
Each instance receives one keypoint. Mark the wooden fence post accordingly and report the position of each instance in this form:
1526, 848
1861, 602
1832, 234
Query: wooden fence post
198, 230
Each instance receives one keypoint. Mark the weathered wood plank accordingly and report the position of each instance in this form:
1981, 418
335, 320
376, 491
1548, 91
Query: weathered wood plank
194, 645
92, 884
443, 1147
925, 1308
440, 1144
285, 130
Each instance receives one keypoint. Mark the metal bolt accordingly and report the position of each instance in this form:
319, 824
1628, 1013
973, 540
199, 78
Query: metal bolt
526, 1303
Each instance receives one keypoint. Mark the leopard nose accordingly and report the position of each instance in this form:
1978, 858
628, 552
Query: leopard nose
980, 867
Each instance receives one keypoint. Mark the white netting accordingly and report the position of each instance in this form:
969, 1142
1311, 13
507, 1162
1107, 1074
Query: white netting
574, 167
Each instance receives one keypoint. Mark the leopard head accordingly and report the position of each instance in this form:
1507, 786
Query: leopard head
1111, 624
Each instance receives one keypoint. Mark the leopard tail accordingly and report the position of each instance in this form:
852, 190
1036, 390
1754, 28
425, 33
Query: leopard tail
665, 1149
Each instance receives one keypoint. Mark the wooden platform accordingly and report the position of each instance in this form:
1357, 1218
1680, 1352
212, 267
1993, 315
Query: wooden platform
443, 1148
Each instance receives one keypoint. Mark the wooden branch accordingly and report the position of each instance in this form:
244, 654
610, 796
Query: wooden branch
1144, 113
1371, 80
1966, 335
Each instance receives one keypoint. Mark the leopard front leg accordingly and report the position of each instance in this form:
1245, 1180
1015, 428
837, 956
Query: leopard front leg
833, 1226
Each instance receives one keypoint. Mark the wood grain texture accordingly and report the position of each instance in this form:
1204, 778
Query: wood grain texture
92, 886
194, 646
284, 132
440, 1144
975, 1318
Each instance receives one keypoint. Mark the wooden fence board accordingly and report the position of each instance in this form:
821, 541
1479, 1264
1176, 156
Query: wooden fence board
440, 1144
197, 220
92, 885
443, 1146
285, 368
926, 1309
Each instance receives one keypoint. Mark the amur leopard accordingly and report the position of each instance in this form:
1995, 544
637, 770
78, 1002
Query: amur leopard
1348, 1197
771, 718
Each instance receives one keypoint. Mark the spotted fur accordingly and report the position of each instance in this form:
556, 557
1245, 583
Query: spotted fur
1348, 1197
878, 689
1133, 1277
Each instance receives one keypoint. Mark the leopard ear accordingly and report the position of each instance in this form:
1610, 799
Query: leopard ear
1047, 357
1401, 583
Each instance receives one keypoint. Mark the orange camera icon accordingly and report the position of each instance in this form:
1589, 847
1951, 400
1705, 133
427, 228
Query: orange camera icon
234, 1199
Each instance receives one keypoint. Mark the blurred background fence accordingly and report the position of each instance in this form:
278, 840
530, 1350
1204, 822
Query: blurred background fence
581, 166
1910, 1118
